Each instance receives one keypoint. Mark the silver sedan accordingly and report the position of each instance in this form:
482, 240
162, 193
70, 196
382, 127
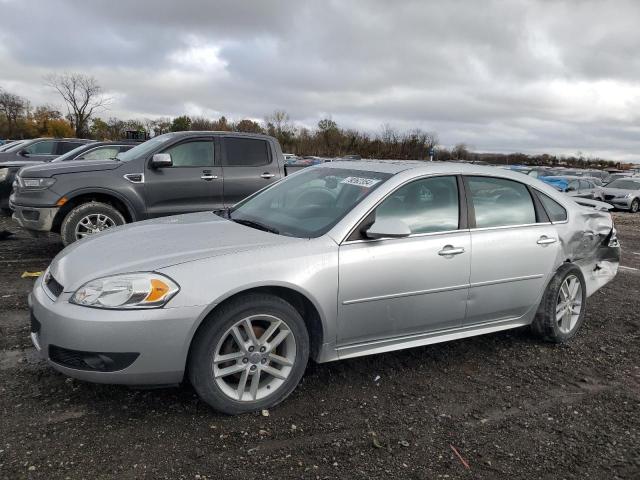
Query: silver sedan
336, 261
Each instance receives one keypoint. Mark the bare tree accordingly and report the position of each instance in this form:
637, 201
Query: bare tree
83, 96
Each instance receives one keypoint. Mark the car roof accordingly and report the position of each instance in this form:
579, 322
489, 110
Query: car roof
218, 132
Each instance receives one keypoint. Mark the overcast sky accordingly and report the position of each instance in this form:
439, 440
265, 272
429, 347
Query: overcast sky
530, 76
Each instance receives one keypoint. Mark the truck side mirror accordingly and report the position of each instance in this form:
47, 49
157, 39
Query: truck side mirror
161, 160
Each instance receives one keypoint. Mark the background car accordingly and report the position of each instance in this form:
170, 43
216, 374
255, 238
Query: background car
573, 186
97, 151
623, 193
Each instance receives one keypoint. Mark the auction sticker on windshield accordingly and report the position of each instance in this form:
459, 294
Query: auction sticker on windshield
361, 181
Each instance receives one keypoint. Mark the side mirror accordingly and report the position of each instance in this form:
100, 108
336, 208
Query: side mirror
571, 189
388, 228
23, 153
161, 160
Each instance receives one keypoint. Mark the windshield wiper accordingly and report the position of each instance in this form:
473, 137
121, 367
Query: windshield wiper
259, 226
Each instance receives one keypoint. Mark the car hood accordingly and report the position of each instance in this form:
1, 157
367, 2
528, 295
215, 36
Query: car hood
50, 169
155, 244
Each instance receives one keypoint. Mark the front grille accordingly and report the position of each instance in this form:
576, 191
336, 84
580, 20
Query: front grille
53, 286
609, 197
35, 324
91, 361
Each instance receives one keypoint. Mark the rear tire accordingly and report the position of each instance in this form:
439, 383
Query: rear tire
89, 218
563, 306
238, 367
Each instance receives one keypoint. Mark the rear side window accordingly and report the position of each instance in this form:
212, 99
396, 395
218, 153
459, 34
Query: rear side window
556, 212
425, 206
499, 202
192, 154
45, 147
68, 146
246, 152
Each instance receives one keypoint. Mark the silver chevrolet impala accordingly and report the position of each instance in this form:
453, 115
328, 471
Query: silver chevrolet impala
336, 261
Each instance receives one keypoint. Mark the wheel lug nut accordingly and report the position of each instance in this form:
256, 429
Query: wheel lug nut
253, 367
245, 360
251, 349
264, 360
262, 349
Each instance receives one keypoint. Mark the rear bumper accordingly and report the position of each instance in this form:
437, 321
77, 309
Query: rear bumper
39, 219
160, 338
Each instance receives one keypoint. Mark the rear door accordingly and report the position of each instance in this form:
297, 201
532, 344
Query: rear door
248, 165
514, 249
193, 183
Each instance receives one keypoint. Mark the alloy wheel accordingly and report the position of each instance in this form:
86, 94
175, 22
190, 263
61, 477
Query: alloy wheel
93, 223
569, 304
254, 358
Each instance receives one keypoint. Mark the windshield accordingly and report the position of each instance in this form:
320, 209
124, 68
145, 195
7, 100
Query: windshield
145, 147
71, 153
309, 203
625, 184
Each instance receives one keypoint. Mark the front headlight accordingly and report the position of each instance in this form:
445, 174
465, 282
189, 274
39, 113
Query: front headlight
132, 290
37, 183
3, 174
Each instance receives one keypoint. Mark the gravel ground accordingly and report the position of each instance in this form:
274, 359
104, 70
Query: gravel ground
509, 405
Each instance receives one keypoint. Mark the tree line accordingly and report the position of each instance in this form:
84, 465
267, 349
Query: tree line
84, 101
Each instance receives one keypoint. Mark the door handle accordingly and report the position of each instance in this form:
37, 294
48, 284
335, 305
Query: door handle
544, 240
267, 175
208, 176
450, 250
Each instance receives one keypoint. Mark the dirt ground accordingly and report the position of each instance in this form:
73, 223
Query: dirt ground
508, 404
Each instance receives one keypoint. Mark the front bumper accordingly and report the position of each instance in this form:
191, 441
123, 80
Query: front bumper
39, 219
161, 338
622, 203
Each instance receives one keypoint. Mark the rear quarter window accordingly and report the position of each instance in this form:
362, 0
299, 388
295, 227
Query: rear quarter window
555, 211
246, 152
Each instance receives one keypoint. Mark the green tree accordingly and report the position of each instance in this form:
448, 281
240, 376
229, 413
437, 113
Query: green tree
248, 126
181, 124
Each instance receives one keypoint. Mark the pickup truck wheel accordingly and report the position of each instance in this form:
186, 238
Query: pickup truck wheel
563, 306
87, 219
249, 355
635, 206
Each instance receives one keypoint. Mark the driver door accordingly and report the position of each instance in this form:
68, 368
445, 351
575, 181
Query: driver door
399, 287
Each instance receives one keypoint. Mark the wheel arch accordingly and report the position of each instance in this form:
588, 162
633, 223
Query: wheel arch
300, 300
94, 195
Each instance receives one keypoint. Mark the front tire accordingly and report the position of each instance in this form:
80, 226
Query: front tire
249, 355
635, 206
87, 219
563, 306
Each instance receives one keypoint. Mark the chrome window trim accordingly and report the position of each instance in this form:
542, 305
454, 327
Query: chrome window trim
421, 177
503, 227
413, 235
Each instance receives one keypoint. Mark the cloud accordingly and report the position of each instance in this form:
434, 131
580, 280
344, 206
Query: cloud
531, 76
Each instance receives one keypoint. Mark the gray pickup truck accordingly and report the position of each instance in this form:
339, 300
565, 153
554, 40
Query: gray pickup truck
170, 174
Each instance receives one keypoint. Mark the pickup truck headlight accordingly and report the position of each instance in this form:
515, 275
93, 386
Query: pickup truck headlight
127, 291
37, 183
3, 174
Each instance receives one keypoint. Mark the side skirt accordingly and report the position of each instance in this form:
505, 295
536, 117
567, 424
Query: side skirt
421, 339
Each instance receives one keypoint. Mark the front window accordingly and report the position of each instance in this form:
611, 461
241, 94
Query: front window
309, 203
426, 206
45, 147
192, 154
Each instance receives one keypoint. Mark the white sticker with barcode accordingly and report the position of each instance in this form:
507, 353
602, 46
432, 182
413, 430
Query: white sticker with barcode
361, 181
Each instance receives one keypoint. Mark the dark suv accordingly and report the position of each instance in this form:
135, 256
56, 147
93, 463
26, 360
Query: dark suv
30, 152
170, 174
